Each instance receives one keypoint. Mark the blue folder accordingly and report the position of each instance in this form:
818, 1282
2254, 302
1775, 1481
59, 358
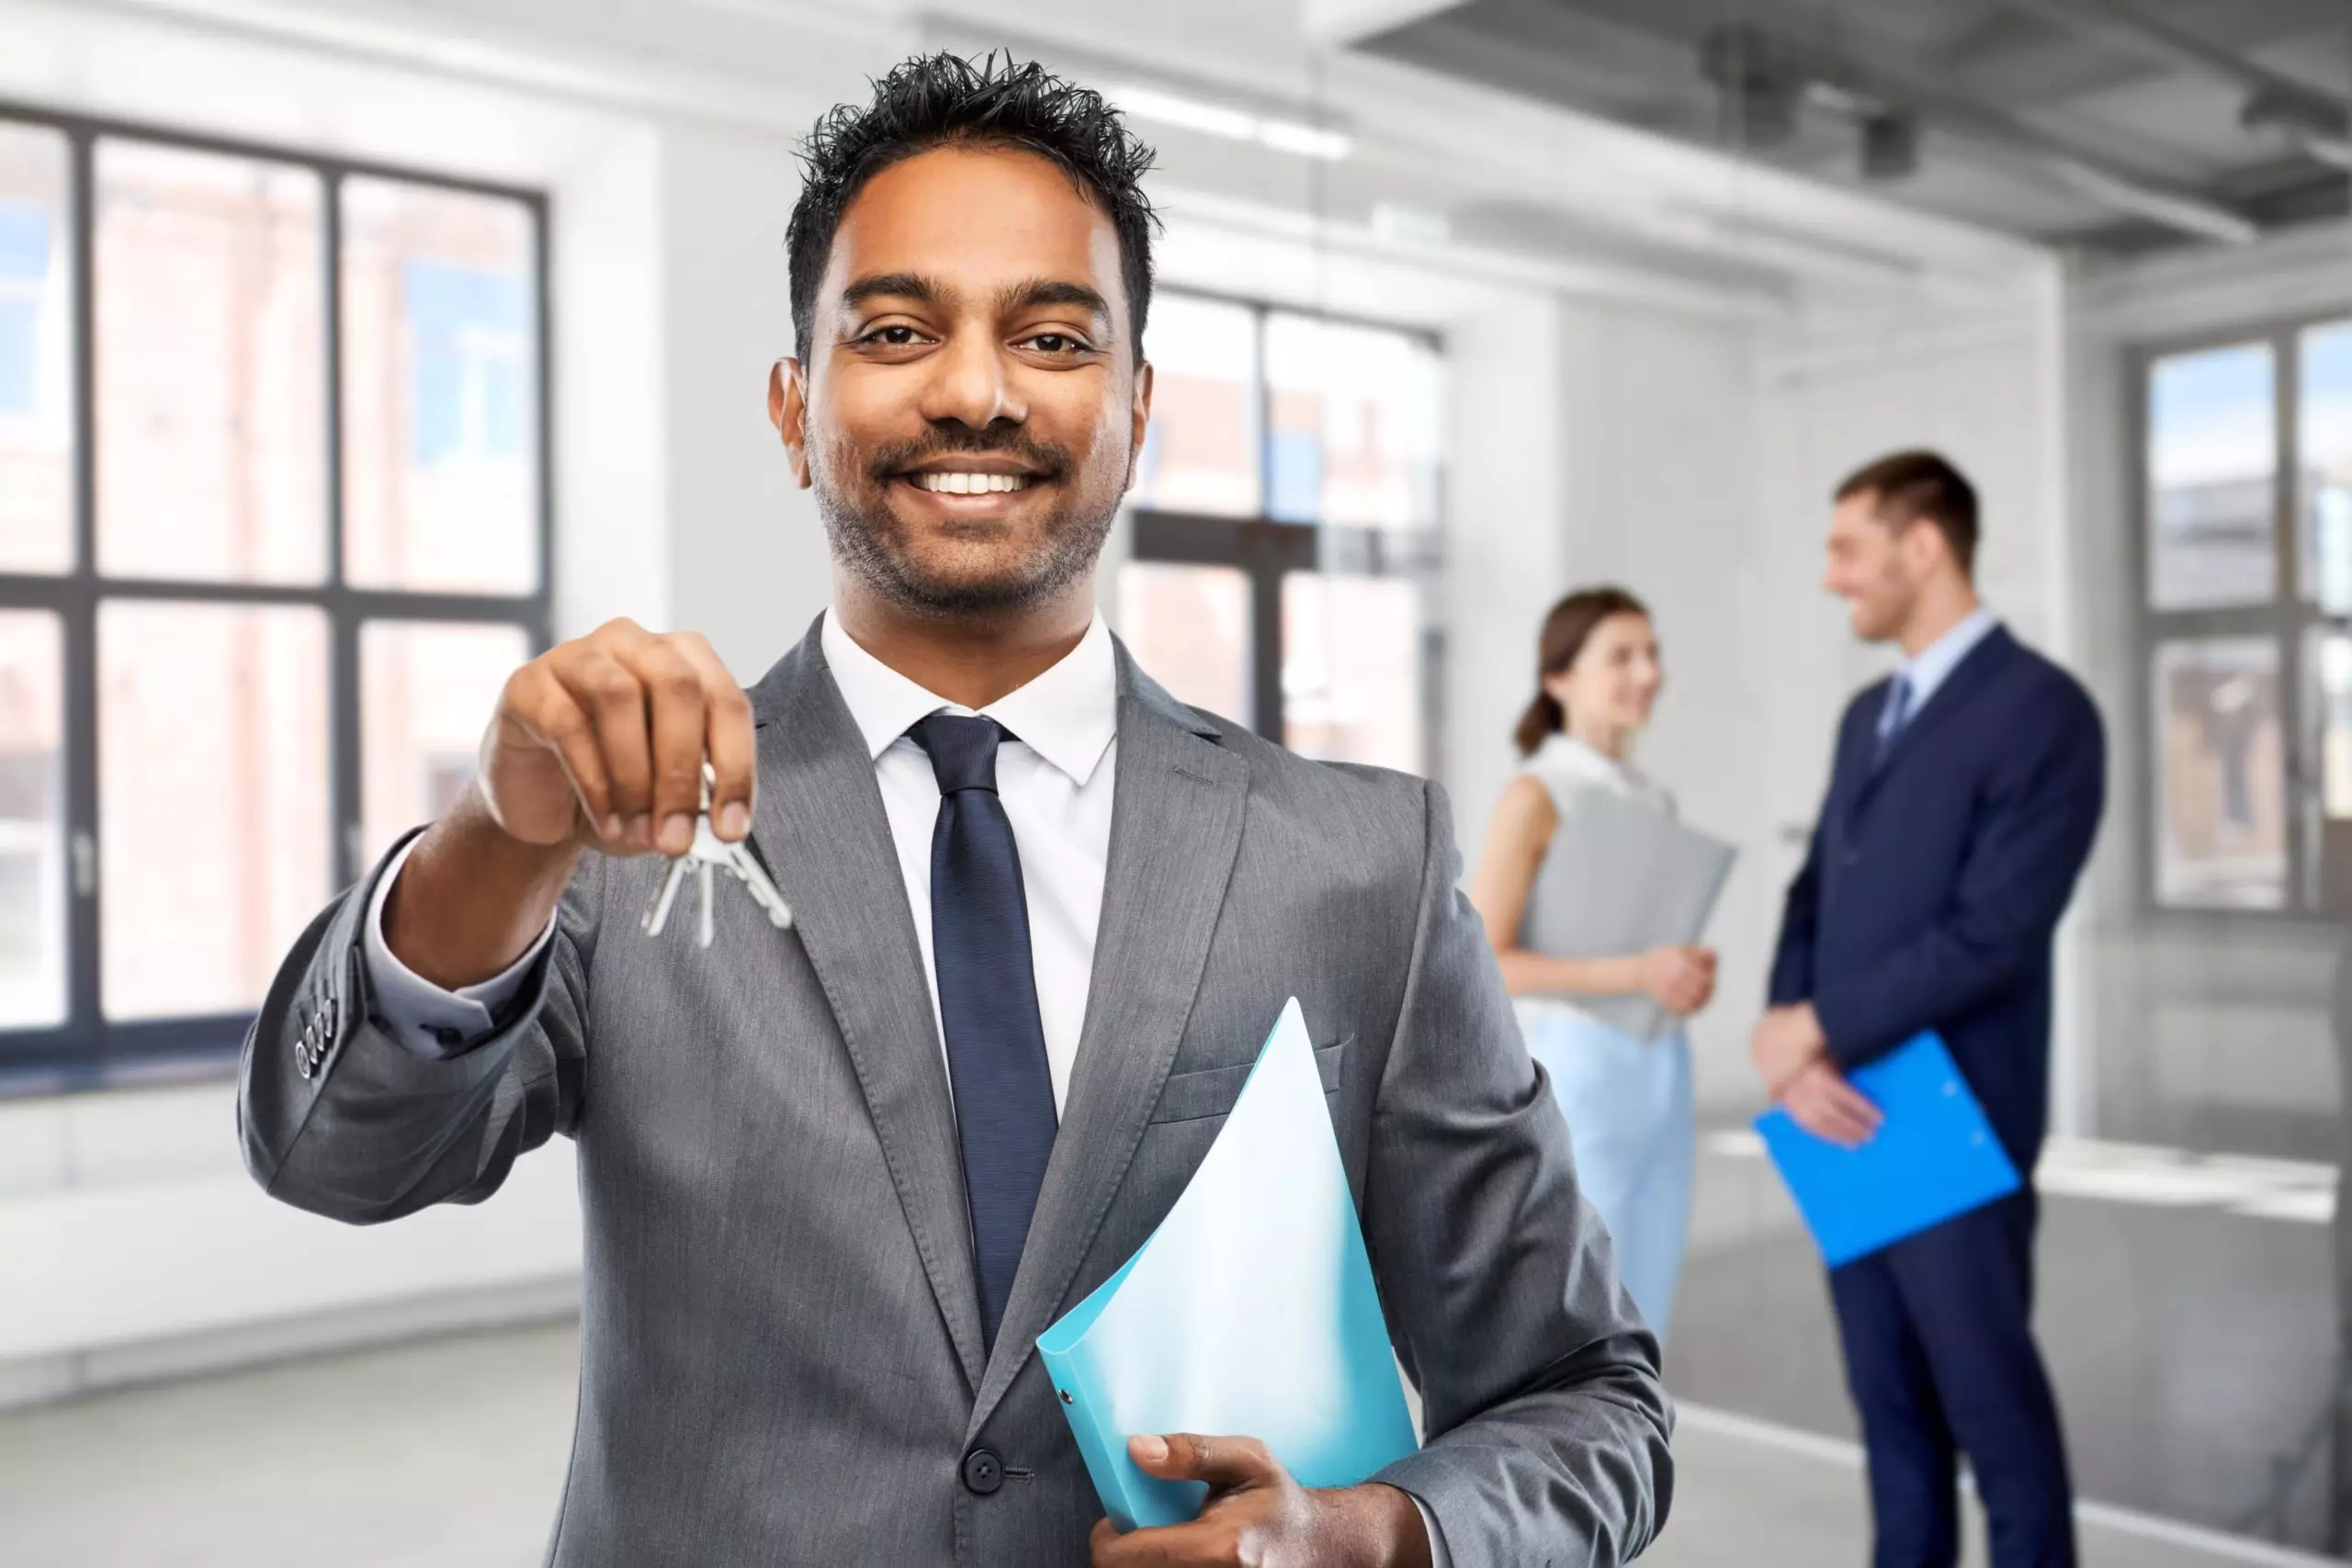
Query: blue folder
1934, 1156
1250, 1312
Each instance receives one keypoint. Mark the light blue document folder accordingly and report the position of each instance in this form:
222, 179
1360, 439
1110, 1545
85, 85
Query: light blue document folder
1250, 1312
1934, 1156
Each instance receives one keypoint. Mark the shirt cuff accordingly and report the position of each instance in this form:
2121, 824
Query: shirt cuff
420, 1016
1439, 1557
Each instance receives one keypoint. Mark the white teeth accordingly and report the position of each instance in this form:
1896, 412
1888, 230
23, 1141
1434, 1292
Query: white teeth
971, 484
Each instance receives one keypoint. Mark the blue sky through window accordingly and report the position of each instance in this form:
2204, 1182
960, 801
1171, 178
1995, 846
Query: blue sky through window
472, 329
24, 265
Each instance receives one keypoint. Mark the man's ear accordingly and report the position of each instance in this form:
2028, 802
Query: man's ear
788, 411
1141, 415
1925, 549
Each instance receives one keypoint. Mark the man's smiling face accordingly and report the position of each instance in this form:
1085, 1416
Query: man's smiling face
972, 406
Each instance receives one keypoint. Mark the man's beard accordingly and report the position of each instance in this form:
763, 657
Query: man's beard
873, 544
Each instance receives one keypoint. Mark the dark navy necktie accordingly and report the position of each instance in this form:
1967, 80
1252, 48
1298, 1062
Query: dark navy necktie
1895, 715
988, 1001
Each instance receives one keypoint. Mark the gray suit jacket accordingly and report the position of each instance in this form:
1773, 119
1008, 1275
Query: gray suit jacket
780, 1351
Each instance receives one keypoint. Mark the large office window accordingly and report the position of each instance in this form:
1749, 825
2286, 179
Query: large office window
1286, 512
273, 529
2246, 618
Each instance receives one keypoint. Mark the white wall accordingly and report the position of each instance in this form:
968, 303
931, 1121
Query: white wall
1658, 457
1506, 544
745, 552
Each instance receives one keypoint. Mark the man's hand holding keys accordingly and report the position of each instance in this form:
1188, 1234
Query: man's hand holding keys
598, 743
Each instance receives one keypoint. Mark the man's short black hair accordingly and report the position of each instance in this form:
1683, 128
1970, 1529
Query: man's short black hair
1908, 486
941, 100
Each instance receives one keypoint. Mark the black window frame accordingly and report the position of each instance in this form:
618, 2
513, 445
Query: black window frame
1265, 549
2288, 619
87, 1050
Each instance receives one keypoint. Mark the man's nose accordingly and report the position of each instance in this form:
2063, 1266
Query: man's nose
968, 385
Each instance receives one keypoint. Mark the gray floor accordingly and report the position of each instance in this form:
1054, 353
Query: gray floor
445, 1453
449, 1453
2193, 1347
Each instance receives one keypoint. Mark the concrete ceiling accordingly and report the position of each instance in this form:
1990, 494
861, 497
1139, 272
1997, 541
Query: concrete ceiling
2108, 125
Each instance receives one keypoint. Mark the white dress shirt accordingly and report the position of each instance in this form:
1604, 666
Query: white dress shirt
1055, 776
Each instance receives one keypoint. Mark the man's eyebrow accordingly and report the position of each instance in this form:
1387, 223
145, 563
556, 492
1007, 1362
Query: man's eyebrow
893, 286
1055, 291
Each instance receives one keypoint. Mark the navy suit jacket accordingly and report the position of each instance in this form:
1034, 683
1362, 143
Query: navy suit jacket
1937, 876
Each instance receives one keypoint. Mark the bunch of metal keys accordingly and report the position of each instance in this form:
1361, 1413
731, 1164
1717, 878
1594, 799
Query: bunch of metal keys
707, 855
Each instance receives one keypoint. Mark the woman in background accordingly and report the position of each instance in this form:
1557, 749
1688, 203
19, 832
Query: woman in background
1628, 1103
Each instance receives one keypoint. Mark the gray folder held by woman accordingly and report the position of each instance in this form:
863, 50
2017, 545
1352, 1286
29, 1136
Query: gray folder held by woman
1621, 877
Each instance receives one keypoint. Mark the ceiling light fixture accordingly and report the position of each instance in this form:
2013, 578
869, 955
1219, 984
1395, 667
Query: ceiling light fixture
1292, 136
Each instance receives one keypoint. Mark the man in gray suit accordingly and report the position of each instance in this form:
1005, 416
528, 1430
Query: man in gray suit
836, 1179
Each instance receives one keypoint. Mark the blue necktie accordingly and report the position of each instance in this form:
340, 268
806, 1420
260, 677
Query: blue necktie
1895, 714
988, 1001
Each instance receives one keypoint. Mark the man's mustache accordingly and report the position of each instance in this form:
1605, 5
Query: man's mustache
1000, 440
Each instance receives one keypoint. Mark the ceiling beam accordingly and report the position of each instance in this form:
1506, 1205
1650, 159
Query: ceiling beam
2153, 39
1875, 89
1340, 23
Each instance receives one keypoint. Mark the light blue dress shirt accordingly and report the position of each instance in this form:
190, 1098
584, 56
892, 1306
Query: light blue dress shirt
1916, 679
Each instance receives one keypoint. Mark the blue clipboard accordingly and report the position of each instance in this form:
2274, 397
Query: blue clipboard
1250, 1312
1934, 1156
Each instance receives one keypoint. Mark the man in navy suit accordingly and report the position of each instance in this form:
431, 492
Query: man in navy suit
1965, 795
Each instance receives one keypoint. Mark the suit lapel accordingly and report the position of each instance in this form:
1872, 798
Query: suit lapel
1966, 678
1175, 826
820, 825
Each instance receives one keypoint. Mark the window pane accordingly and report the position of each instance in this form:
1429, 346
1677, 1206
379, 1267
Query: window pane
2326, 805
32, 822
1351, 680
212, 800
2221, 775
1199, 452
2330, 675
425, 693
2213, 460
36, 355
1354, 424
1189, 628
440, 390
2323, 442
210, 338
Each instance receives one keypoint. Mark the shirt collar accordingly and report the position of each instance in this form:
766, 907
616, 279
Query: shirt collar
1068, 714
1932, 665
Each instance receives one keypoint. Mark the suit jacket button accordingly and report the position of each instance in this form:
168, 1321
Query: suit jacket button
983, 1472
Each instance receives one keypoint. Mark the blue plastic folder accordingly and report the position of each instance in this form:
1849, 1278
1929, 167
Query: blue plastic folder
1250, 1312
1934, 1156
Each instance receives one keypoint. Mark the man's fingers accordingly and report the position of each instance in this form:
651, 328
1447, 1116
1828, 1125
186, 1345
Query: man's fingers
1852, 1104
673, 699
1223, 1463
727, 739
615, 703
538, 705
1810, 1114
1170, 1546
1830, 1109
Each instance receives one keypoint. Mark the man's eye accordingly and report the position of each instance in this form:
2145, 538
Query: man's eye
1055, 342
892, 337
